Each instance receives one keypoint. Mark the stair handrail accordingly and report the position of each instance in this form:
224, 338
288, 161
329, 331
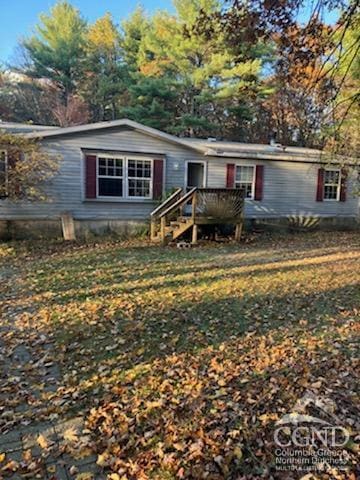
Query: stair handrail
184, 199
166, 202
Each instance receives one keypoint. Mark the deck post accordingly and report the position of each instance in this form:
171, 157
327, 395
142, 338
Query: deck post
238, 230
193, 215
193, 205
163, 229
209, 206
153, 229
194, 234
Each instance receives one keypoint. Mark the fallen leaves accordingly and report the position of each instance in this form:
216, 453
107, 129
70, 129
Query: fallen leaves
193, 422
115, 476
180, 362
85, 476
11, 466
71, 435
43, 441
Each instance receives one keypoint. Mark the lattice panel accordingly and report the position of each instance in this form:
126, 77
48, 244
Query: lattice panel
220, 203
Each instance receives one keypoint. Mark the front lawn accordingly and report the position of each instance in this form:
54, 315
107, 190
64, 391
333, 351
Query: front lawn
181, 361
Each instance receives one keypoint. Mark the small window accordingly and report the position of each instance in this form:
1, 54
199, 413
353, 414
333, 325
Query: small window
110, 177
245, 179
3, 171
332, 184
139, 178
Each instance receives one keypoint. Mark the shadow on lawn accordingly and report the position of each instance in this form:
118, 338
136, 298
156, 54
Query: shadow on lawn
180, 299
139, 258
164, 306
148, 327
106, 281
190, 327
262, 374
206, 276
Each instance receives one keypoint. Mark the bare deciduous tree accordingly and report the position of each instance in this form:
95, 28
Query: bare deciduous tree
25, 168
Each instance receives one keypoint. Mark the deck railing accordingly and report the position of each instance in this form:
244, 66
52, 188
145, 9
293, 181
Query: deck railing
201, 206
220, 204
155, 214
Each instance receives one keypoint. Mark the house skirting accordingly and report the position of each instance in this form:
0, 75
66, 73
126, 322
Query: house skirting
84, 229
304, 223
87, 229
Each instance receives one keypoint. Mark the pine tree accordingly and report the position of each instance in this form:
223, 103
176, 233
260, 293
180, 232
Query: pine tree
151, 101
104, 75
208, 81
133, 32
57, 50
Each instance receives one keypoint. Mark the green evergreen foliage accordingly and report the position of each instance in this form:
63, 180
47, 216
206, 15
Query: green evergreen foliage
151, 101
104, 74
237, 73
58, 48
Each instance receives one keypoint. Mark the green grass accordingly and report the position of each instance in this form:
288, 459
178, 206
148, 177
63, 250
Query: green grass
186, 347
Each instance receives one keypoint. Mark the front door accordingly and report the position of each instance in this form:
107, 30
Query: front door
195, 175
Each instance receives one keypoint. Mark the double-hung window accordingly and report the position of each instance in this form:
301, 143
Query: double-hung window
124, 177
139, 178
332, 184
3, 172
245, 179
110, 177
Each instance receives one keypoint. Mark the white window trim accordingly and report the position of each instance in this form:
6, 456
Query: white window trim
109, 176
6, 169
125, 177
338, 191
151, 179
253, 180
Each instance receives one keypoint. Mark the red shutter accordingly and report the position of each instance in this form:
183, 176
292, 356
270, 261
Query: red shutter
343, 185
158, 178
230, 175
259, 182
90, 176
320, 185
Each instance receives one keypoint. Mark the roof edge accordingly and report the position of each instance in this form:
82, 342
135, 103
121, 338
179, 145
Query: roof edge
315, 157
312, 156
125, 122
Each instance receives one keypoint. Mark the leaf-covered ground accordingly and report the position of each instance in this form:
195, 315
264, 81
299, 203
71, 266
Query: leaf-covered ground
180, 362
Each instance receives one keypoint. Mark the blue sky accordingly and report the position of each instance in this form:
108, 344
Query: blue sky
18, 17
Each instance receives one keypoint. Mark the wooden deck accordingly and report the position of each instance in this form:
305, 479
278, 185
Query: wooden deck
199, 206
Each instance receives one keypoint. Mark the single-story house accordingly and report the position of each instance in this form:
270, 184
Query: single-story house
112, 175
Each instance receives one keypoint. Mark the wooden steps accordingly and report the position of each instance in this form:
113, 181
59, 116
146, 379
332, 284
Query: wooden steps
182, 228
175, 229
209, 206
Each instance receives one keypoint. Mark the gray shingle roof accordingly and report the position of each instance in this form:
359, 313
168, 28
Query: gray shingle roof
209, 148
14, 127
